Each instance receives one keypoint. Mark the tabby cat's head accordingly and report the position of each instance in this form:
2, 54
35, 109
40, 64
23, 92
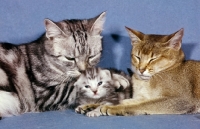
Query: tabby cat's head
154, 53
74, 44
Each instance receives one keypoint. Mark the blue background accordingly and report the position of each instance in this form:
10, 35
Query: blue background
21, 21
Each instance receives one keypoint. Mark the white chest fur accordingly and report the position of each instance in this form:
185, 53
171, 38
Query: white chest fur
143, 90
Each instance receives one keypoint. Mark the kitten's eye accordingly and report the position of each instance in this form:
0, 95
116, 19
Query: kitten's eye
70, 59
87, 86
99, 83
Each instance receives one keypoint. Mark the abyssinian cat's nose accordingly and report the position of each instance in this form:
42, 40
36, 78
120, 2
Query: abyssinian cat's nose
141, 71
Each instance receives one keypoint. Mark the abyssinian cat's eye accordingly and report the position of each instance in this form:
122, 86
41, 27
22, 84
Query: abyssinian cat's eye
163, 81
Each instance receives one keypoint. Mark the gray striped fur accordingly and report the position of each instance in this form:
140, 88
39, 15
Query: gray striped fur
100, 86
39, 76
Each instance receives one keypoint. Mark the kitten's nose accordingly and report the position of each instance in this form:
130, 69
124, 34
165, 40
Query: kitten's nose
95, 92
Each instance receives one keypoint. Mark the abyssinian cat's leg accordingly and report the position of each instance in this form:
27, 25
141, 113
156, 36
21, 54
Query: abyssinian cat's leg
156, 106
9, 104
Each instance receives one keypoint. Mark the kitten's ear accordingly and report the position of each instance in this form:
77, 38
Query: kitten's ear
135, 36
121, 81
105, 73
52, 29
98, 23
176, 40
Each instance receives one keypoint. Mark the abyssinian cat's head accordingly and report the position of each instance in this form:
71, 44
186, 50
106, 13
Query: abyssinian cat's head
154, 53
74, 44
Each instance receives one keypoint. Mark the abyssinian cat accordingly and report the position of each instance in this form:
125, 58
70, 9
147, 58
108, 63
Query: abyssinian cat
96, 87
164, 82
39, 76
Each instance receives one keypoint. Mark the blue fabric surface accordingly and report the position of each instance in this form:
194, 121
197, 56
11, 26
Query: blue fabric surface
70, 120
21, 21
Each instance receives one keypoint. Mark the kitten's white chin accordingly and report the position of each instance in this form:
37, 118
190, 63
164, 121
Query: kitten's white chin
96, 96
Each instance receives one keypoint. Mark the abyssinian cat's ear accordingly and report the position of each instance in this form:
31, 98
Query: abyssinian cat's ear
135, 36
176, 40
120, 81
98, 23
52, 29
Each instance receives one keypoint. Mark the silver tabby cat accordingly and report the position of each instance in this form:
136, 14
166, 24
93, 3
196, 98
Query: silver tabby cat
97, 86
39, 76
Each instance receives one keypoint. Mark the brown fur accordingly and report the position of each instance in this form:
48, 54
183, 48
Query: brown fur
164, 83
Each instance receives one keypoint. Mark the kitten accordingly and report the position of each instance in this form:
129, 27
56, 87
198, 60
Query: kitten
96, 87
164, 83
39, 76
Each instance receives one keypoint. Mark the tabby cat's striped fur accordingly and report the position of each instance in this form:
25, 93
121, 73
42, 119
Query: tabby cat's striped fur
39, 76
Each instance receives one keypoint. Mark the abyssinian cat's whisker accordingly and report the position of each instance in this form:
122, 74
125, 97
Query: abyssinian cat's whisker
158, 75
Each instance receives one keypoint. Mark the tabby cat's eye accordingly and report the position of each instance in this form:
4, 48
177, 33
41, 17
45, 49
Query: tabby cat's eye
87, 86
70, 59
91, 57
99, 83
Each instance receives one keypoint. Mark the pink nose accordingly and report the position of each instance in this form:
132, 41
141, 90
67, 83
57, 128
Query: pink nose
95, 92
141, 71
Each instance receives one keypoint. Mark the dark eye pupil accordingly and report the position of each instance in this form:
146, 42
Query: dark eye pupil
87, 86
99, 83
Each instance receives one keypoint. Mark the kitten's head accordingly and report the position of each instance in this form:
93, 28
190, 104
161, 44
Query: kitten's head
154, 53
74, 45
94, 83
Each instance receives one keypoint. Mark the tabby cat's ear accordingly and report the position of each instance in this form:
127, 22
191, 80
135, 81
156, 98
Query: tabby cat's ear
52, 29
176, 40
135, 36
98, 23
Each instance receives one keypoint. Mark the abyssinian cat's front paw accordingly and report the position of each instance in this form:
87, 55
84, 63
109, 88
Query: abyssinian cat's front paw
113, 111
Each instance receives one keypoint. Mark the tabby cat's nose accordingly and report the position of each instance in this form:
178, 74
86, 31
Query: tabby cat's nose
82, 67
